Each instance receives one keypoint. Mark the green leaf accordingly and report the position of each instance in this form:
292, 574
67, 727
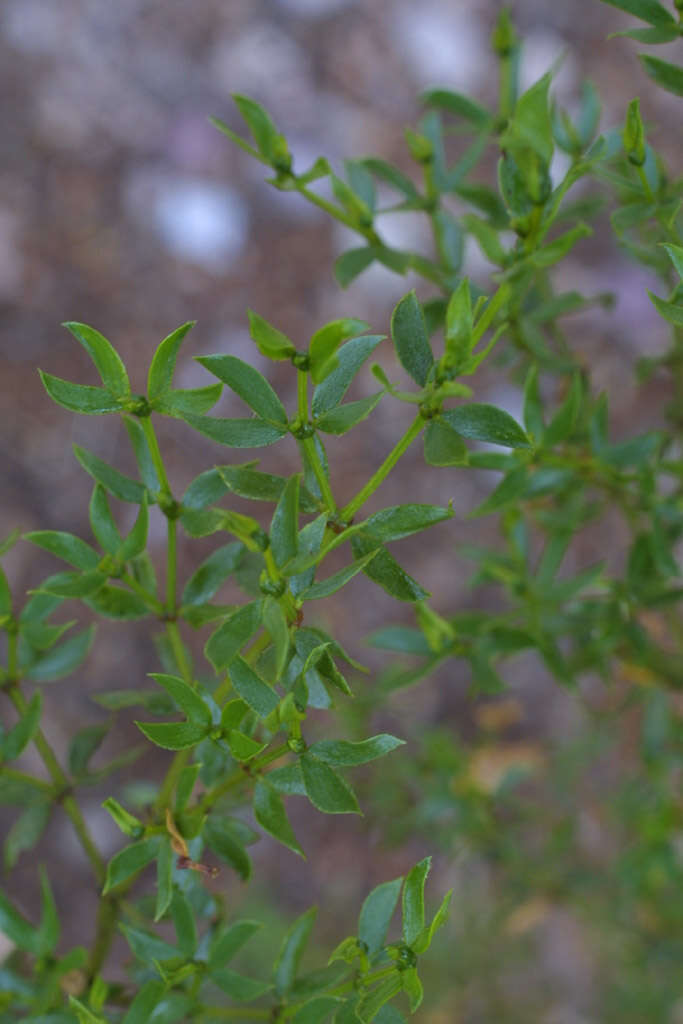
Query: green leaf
316, 1010
232, 714
275, 622
412, 986
102, 522
162, 366
187, 699
488, 238
647, 10
284, 528
129, 861
73, 584
383, 569
63, 659
372, 1003
227, 941
531, 124
335, 582
249, 384
165, 861
344, 753
376, 914
271, 343
127, 822
481, 422
676, 254
136, 541
351, 263
104, 356
400, 521
409, 334
392, 175
148, 947
533, 408
81, 398
84, 1015
414, 901
146, 1002
344, 417
212, 573
669, 310
239, 988
242, 747
325, 788
223, 843
449, 239
269, 811
325, 342
117, 603
195, 401
228, 640
21, 734
65, 546
83, 746
424, 939
265, 133
458, 104
26, 831
122, 487
252, 483
260, 697
401, 639
173, 735
442, 445
559, 247
184, 924
511, 487
350, 358
236, 433
291, 951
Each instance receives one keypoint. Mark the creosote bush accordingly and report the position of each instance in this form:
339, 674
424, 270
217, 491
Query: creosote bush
236, 724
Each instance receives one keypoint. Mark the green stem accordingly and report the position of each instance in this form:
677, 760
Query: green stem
343, 218
27, 780
173, 634
349, 511
171, 566
323, 482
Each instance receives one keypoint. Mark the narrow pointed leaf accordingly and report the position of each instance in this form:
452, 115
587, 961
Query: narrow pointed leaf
65, 546
162, 366
249, 384
260, 697
129, 861
231, 636
187, 699
327, 790
376, 914
409, 333
414, 900
122, 487
344, 753
82, 398
284, 528
291, 951
236, 433
105, 357
269, 811
486, 423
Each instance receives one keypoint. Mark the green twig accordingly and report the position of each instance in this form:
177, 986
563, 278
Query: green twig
349, 511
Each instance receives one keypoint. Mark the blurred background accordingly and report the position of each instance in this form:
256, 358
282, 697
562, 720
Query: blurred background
121, 206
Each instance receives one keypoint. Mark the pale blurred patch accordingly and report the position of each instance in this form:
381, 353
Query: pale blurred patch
491, 765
